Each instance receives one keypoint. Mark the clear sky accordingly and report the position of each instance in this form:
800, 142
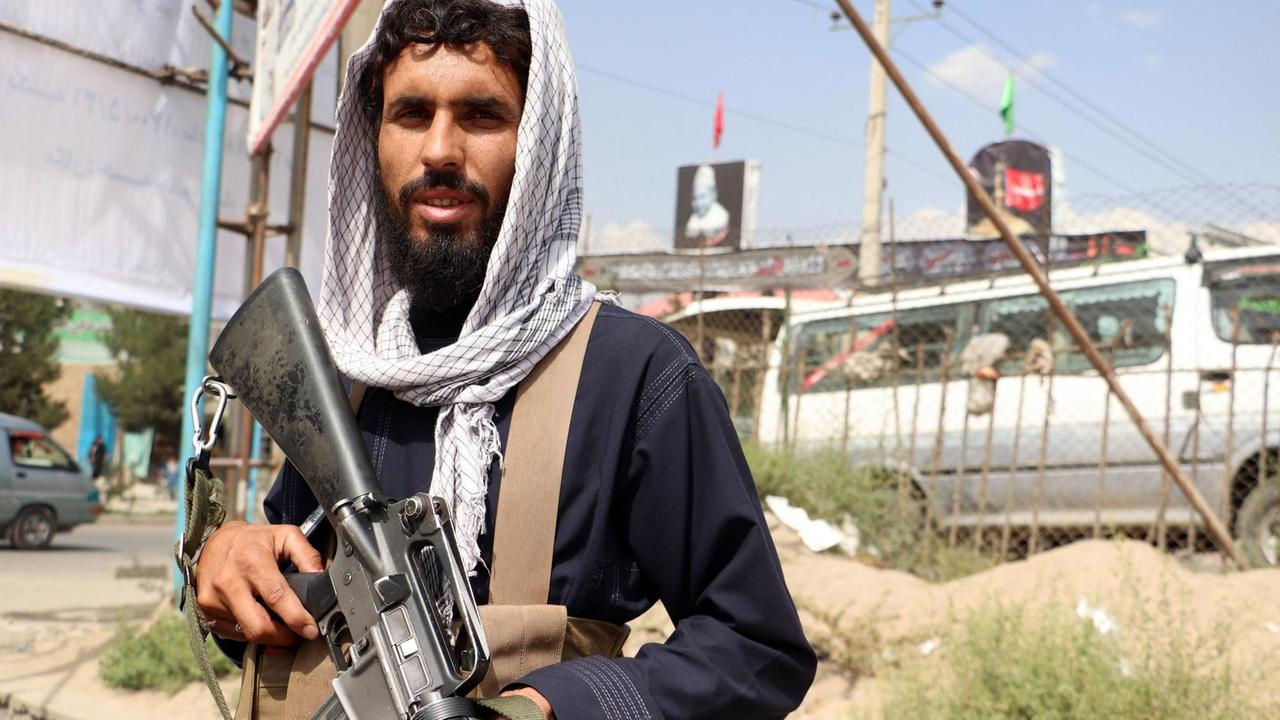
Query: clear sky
1199, 80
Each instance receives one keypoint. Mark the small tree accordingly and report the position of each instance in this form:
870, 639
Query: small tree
145, 389
28, 356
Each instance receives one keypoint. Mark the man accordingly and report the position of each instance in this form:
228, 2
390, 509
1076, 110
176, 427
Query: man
709, 223
455, 201
97, 457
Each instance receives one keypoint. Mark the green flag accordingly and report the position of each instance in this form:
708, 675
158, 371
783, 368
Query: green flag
1006, 105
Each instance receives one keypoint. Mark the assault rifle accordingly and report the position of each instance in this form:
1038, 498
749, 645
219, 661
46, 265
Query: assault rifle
395, 606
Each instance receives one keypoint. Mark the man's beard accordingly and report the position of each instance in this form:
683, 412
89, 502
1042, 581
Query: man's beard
446, 270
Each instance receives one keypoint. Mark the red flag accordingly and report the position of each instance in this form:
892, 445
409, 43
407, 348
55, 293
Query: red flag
719, 122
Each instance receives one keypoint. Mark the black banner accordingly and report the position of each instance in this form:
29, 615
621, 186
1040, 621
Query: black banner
907, 263
1018, 175
921, 262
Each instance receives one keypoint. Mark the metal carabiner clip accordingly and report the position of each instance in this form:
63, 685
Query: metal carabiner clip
210, 384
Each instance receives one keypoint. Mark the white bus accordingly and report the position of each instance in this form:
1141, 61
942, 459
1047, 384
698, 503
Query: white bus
881, 376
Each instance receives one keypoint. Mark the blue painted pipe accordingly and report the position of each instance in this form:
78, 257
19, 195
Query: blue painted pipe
251, 491
206, 247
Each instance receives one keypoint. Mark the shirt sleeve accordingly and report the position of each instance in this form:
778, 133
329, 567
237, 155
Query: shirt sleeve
701, 542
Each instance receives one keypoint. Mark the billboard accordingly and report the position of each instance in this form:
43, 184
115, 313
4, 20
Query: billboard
100, 183
293, 37
716, 205
796, 268
1018, 175
929, 261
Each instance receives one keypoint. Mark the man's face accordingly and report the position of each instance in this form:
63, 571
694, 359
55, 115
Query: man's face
704, 191
446, 155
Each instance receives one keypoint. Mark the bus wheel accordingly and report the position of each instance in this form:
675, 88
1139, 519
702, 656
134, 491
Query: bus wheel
1258, 525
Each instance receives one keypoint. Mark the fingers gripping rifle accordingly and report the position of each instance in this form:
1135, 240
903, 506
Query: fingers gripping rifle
395, 606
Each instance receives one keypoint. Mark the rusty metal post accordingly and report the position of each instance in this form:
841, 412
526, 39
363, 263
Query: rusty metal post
848, 380
260, 186
934, 473
1042, 460
735, 393
785, 396
985, 480
298, 176
762, 368
1265, 471
1161, 528
961, 475
702, 294
1105, 446
1007, 530
1195, 454
896, 349
1228, 471
915, 404
1213, 524
801, 367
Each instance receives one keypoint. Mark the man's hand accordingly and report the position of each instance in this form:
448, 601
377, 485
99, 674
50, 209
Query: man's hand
238, 578
537, 699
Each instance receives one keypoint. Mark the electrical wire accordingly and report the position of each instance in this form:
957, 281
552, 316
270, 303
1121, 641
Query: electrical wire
817, 6
1126, 135
764, 120
1037, 137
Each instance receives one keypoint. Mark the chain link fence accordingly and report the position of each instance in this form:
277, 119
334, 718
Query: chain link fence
952, 382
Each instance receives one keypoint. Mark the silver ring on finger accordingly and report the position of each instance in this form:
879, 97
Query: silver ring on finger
238, 630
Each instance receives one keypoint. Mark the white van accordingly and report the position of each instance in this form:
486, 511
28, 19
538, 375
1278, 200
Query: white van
882, 376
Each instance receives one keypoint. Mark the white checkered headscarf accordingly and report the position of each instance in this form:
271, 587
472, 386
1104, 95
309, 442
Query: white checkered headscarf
530, 300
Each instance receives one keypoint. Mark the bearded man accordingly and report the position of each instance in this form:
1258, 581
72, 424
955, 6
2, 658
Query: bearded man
455, 205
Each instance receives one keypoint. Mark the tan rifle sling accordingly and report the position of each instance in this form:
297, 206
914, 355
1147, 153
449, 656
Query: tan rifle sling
524, 632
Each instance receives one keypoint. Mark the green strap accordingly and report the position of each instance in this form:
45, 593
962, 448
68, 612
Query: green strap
197, 631
512, 707
205, 510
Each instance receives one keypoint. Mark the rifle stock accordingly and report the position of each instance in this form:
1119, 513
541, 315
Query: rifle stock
273, 353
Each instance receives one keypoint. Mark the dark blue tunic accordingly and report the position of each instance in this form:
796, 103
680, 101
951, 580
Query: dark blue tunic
656, 503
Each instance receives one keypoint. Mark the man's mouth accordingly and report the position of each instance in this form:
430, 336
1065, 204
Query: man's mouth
440, 206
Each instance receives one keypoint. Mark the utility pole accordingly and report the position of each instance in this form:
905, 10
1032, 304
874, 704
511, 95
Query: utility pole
873, 184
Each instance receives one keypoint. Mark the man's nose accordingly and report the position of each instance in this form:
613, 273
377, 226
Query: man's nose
443, 144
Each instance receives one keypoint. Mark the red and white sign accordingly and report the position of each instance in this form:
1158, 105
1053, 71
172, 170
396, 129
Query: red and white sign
1023, 190
293, 36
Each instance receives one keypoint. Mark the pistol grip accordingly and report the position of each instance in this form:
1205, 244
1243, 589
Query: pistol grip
315, 590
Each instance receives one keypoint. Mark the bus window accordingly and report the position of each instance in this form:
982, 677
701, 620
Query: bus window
1127, 322
1256, 297
866, 350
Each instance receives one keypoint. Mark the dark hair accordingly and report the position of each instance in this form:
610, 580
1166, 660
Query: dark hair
504, 28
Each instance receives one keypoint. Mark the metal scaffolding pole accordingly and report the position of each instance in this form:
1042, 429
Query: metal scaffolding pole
206, 248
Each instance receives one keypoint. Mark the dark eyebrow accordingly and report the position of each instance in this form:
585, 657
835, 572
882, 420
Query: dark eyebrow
407, 101
486, 102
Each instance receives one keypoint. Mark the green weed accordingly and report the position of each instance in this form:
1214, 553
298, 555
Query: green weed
158, 657
1005, 663
889, 513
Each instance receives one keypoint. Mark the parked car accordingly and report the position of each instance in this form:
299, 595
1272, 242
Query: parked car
1194, 344
43, 490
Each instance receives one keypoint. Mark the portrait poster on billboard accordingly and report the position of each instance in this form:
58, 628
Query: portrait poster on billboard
1018, 175
716, 205
293, 37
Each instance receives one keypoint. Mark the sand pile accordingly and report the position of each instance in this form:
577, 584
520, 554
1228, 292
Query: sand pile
1124, 580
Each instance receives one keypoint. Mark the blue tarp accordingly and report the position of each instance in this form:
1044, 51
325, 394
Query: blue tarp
96, 420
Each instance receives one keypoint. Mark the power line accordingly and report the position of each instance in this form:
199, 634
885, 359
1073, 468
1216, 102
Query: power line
817, 6
1031, 133
764, 120
1146, 148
